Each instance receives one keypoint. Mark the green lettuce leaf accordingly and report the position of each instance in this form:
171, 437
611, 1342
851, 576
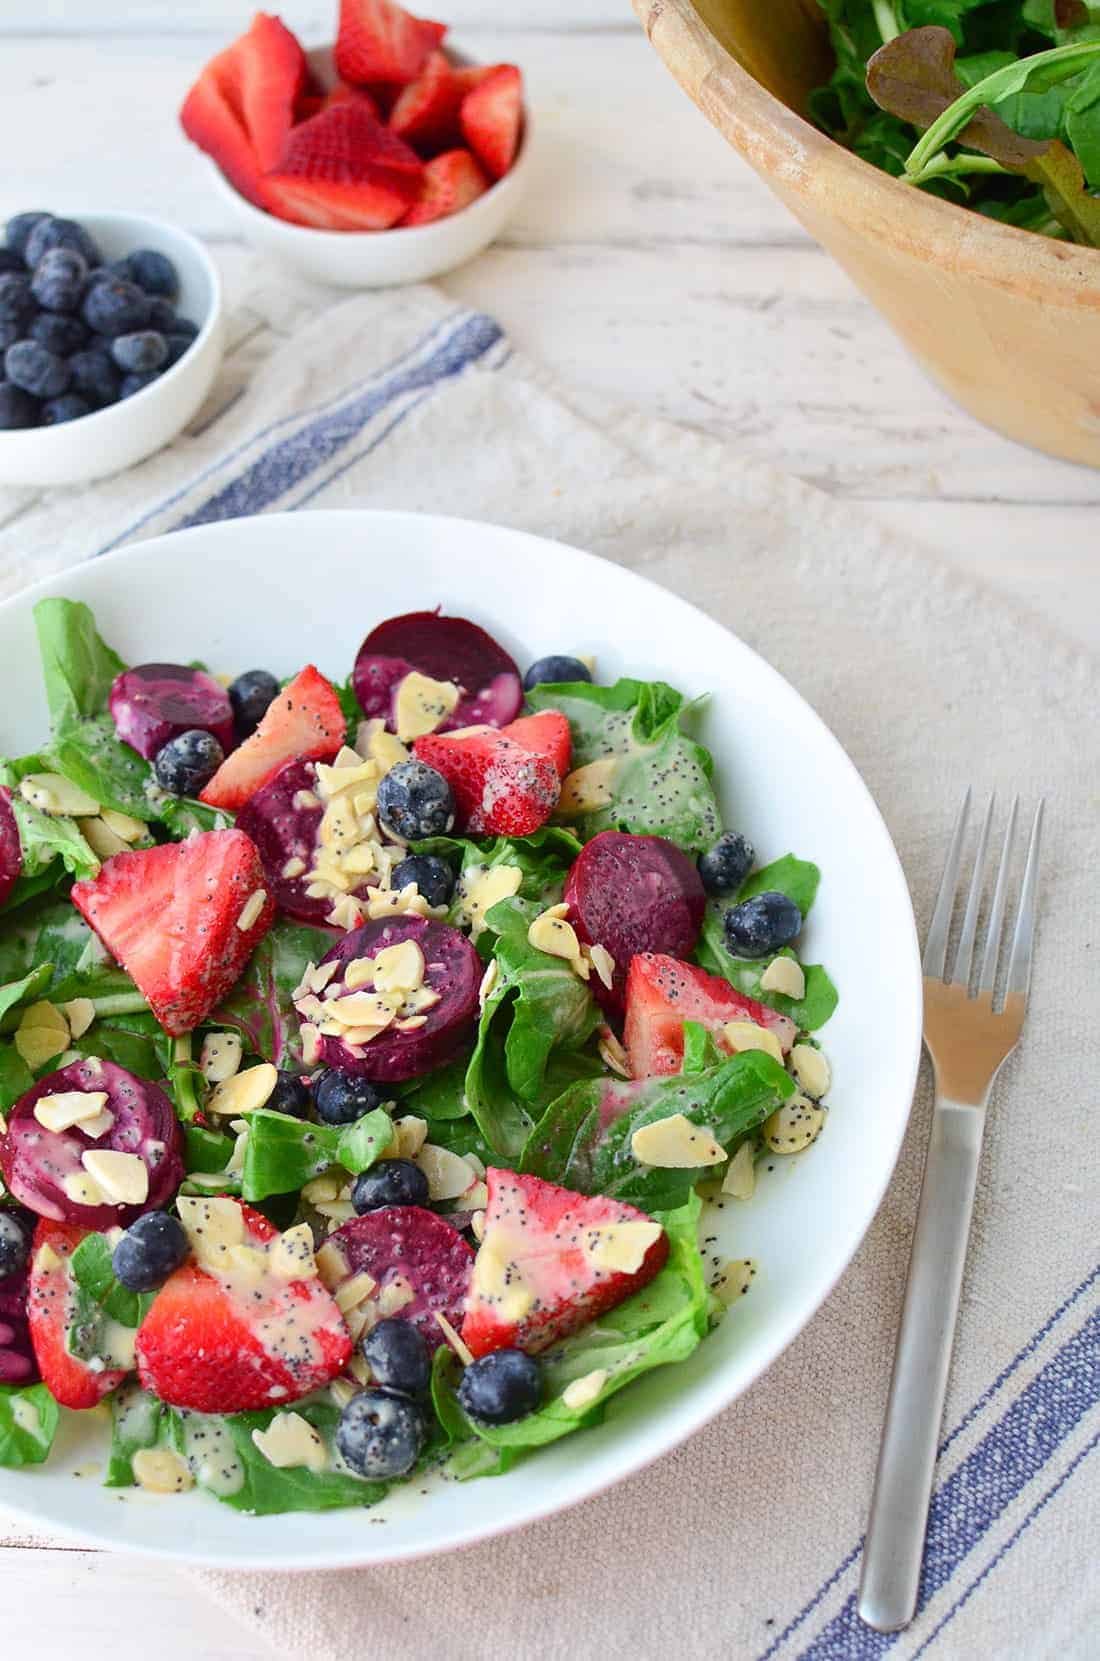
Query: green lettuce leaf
661, 784
583, 1139
137, 1422
543, 859
799, 880
52, 843
206, 1151
16, 1077
283, 1154
267, 1491
29, 1417
77, 665
91, 1268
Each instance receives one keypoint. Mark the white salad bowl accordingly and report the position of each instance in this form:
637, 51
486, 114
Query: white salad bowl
124, 433
243, 594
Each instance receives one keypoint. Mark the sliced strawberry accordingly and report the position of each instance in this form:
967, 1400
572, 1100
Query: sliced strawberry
272, 70
379, 41
663, 992
213, 118
170, 915
500, 786
551, 1261
51, 1305
342, 93
450, 183
491, 116
242, 1337
547, 734
426, 111
305, 721
344, 171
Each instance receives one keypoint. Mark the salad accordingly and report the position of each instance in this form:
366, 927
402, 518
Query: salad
370, 1055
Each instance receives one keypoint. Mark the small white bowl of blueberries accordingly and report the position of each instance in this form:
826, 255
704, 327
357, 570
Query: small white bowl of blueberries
110, 339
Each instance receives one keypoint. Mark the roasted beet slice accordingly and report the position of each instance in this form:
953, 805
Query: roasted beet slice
284, 831
11, 849
407, 1243
158, 701
35, 1161
17, 1359
452, 969
447, 649
633, 894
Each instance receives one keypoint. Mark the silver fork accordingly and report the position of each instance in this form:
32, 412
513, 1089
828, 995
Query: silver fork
968, 1040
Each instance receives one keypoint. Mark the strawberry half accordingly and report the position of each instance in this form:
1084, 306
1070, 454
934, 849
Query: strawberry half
450, 183
170, 915
272, 72
547, 734
664, 992
426, 112
491, 116
304, 722
242, 1337
51, 1304
501, 786
551, 1261
341, 93
342, 170
213, 118
379, 41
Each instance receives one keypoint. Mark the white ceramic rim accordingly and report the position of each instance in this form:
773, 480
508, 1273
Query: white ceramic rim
709, 1396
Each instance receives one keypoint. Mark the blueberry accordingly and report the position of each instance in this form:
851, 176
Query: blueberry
162, 315
19, 228
397, 1356
50, 233
11, 261
188, 762
341, 1098
15, 1246
140, 354
390, 1182
115, 307
380, 1434
556, 669
152, 1248
290, 1095
58, 333
69, 407
761, 925
130, 384
433, 877
724, 867
57, 282
250, 694
500, 1387
17, 303
415, 801
17, 408
177, 346
95, 376
153, 272
10, 333
184, 326
36, 369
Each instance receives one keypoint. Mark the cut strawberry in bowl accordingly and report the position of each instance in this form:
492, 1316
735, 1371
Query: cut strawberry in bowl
492, 118
419, 1263
93, 1145
450, 183
501, 787
182, 919
305, 720
244, 1324
378, 40
664, 992
552, 1261
343, 170
272, 74
425, 113
451, 650
51, 1308
213, 119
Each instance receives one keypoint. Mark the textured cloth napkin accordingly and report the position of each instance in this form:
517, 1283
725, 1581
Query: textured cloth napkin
745, 1542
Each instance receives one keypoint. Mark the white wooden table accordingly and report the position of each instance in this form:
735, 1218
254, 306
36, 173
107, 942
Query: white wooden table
650, 263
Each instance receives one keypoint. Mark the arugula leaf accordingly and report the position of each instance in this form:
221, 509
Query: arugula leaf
16, 1077
662, 1323
45, 838
29, 1418
441, 1094
77, 665
583, 1139
700, 1050
91, 1268
16, 993
550, 1006
283, 1154
797, 878
543, 859
265, 1490
809, 1012
260, 1006
206, 1151
91, 754
137, 1422
660, 785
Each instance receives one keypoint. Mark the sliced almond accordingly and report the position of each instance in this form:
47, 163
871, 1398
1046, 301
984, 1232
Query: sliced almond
733, 1279
359, 972
395, 1296
291, 1256
675, 1144
161, 1471
746, 1035
220, 1057
479, 889
244, 1092
374, 742
103, 841
784, 975
252, 910
462, 1350
448, 1173
294, 867
554, 936
69, 1107
332, 1265
740, 1178
82, 1188
620, 1248
354, 1291
792, 1127
212, 1226
79, 1013
603, 963
588, 789
129, 829
399, 968
54, 793
811, 1069
122, 1178
311, 1044
584, 1391
497, 1281
409, 1136
421, 704
290, 1442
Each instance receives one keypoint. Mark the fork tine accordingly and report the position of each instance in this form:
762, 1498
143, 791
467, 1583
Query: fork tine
965, 957
935, 950
988, 977
1019, 963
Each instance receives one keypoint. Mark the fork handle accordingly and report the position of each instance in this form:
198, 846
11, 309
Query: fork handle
894, 1548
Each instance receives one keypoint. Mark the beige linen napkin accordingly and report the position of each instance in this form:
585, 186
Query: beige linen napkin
744, 1542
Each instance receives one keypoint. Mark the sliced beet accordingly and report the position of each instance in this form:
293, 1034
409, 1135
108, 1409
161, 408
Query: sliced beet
158, 701
283, 830
17, 1359
447, 649
452, 968
406, 1242
11, 849
36, 1161
633, 894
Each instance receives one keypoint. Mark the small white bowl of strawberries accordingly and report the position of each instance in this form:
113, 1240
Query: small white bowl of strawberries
387, 158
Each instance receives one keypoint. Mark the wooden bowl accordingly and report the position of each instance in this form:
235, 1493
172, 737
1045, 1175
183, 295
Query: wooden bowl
1007, 322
